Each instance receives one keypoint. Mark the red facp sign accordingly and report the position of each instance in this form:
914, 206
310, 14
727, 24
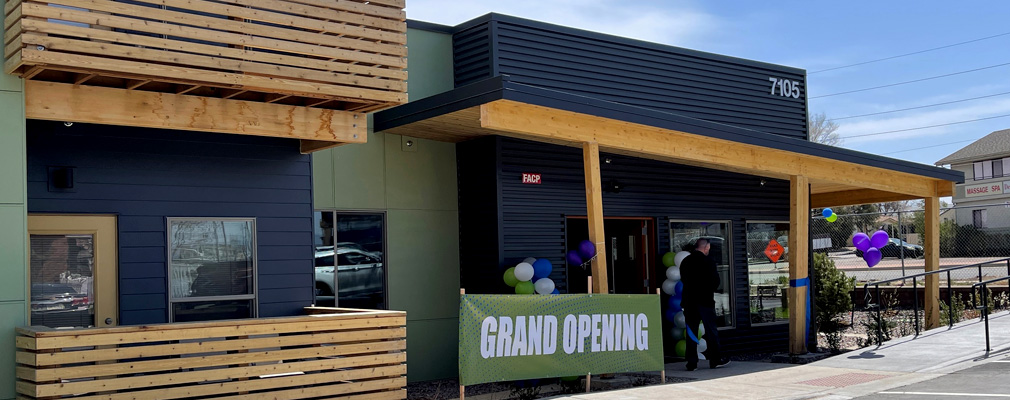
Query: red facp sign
531, 179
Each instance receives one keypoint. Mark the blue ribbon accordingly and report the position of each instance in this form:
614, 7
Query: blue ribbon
804, 282
690, 334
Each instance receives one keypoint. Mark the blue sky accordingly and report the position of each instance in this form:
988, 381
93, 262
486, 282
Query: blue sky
816, 35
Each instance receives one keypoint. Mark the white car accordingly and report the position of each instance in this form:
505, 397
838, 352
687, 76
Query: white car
359, 273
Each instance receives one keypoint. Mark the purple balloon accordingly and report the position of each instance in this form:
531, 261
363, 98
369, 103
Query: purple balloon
587, 250
573, 258
861, 241
872, 256
879, 239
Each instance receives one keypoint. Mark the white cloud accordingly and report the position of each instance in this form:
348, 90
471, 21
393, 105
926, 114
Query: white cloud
974, 110
674, 24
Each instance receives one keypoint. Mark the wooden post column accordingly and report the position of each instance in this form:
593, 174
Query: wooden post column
932, 244
594, 210
799, 284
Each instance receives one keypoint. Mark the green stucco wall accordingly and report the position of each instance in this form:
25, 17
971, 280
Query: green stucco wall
12, 223
416, 186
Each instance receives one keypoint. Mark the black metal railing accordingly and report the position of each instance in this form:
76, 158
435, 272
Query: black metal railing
915, 290
984, 309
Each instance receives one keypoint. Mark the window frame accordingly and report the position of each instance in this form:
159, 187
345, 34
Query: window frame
745, 231
385, 251
728, 243
981, 222
254, 296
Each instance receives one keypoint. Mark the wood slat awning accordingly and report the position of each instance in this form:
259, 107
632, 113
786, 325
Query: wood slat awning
498, 107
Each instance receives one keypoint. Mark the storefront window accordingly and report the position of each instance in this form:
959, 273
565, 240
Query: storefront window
684, 234
62, 276
212, 268
350, 259
768, 271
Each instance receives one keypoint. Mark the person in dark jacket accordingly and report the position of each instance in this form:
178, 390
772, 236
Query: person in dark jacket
701, 281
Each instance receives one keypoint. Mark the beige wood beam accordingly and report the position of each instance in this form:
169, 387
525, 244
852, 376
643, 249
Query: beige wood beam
857, 196
799, 285
931, 242
594, 210
113, 106
569, 128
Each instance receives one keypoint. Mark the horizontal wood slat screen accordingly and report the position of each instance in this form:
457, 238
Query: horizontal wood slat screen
337, 54
354, 354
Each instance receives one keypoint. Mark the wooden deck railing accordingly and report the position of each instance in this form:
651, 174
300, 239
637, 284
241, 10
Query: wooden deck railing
337, 54
355, 354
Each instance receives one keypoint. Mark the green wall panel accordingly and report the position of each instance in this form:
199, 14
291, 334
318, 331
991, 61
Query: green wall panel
424, 263
13, 315
358, 175
432, 351
12, 253
422, 176
429, 63
322, 179
12, 148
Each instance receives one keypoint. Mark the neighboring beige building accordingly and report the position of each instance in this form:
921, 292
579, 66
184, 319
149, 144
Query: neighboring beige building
983, 199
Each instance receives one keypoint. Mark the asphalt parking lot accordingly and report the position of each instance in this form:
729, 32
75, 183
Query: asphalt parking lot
986, 381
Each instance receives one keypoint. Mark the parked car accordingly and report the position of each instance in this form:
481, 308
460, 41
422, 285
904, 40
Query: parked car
359, 273
59, 305
893, 249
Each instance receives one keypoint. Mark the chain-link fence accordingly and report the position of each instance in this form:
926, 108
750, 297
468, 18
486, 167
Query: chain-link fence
889, 301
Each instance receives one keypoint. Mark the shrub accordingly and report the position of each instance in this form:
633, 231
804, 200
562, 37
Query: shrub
832, 299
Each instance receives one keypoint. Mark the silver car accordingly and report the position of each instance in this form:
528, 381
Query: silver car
359, 273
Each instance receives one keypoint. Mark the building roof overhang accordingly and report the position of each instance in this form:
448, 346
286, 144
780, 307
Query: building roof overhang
496, 106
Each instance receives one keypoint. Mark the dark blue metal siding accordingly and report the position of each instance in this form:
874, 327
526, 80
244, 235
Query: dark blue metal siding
533, 216
472, 51
147, 175
663, 78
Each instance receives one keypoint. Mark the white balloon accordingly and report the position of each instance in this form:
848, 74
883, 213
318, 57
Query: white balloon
701, 356
544, 286
669, 287
681, 255
701, 330
678, 333
530, 260
673, 273
524, 272
702, 345
679, 320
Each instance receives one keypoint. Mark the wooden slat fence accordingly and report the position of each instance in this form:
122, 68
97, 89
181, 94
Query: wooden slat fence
351, 52
352, 354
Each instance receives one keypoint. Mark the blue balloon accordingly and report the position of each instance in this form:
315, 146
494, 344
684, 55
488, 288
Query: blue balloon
574, 258
587, 250
674, 303
542, 268
669, 314
827, 212
556, 292
679, 288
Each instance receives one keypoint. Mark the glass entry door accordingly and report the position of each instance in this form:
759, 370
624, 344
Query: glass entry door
72, 270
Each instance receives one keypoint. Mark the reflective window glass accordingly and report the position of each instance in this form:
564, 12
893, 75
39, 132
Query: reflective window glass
62, 280
211, 265
356, 241
768, 271
684, 234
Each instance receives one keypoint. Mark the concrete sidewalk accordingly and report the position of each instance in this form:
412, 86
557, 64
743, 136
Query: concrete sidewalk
896, 368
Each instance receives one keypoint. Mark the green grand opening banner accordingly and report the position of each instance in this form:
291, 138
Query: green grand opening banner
513, 337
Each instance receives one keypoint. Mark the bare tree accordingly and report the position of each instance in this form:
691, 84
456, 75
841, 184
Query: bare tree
822, 130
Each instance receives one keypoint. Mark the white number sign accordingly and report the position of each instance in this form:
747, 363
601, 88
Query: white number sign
786, 87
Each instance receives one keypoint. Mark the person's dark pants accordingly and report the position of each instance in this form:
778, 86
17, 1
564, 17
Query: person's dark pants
707, 316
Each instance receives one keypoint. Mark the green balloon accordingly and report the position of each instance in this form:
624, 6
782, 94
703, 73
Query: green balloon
510, 277
524, 288
832, 218
681, 348
669, 259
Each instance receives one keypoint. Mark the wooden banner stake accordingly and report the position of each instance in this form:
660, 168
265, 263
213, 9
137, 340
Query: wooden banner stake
462, 389
662, 372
